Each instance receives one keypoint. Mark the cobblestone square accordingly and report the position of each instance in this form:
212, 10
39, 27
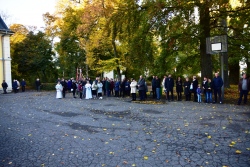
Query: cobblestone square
38, 130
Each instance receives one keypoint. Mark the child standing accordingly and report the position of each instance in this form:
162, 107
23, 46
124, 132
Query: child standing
198, 91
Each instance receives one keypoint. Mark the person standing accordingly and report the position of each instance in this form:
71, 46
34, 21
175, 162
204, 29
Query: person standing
209, 91
74, 87
198, 90
23, 84
94, 90
5, 86
80, 89
127, 88
217, 84
163, 85
187, 93
141, 87
157, 87
88, 91
204, 87
169, 85
107, 87
193, 88
154, 87
99, 90
133, 89
59, 89
64, 85
243, 88
117, 88
38, 84
69, 85
112, 85
179, 88
14, 86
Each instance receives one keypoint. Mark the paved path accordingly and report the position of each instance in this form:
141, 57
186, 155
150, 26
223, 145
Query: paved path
38, 130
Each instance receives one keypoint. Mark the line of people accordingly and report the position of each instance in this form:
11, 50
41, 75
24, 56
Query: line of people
189, 87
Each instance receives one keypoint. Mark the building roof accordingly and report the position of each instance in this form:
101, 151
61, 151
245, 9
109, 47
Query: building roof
3, 27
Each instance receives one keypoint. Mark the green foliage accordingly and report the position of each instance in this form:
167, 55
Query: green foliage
32, 58
48, 86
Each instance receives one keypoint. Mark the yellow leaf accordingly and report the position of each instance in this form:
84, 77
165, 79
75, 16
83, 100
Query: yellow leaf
233, 143
223, 127
133, 164
104, 129
30, 135
145, 157
209, 137
248, 148
238, 152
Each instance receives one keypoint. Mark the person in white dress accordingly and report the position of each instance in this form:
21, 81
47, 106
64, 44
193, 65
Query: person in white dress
59, 89
88, 91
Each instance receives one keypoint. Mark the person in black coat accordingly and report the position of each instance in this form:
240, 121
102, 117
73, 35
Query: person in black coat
179, 89
217, 85
194, 86
14, 86
23, 84
154, 86
169, 86
74, 87
5, 86
158, 87
38, 84
64, 85
187, 92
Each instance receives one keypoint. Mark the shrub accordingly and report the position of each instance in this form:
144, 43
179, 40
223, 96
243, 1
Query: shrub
48, 86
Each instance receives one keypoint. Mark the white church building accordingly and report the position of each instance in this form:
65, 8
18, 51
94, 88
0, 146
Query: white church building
5, 58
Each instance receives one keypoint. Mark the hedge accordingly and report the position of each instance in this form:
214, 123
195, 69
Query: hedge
48, 86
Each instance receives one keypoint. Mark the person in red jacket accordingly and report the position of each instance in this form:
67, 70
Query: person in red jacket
243, 87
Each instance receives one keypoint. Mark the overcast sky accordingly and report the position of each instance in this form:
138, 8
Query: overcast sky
26, 12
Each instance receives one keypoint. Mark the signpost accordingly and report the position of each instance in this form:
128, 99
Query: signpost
218, 45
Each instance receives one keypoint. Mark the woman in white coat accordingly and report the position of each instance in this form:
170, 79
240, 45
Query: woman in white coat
88, 91
59, 89
133, 89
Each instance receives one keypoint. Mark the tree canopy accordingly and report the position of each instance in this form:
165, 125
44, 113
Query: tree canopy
151, 37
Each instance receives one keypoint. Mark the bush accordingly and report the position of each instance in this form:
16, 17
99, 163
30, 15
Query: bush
48, 86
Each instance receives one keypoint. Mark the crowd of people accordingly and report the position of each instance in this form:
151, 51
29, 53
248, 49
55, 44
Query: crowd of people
208, 91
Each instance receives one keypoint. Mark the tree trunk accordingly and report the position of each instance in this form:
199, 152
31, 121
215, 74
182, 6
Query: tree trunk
114, 33
248, 66
206, 61
234, 69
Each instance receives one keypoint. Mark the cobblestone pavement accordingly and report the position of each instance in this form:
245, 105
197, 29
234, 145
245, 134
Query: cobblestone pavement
37, 130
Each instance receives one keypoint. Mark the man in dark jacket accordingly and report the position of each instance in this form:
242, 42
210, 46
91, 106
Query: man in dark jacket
157, 87
5, 86
23, 84
169, 85
141, 88
14, 86
244, 88
64, 85
38, 84
154, 86
217, 84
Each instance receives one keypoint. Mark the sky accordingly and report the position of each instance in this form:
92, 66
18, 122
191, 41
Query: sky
26, 12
